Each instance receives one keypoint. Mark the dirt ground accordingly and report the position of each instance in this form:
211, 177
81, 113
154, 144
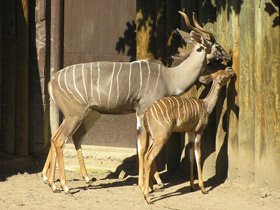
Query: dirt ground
114, 186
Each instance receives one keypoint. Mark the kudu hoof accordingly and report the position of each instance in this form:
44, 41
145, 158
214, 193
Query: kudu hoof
148, 200
53, 187
159, 187
66, 190
205, 193
88, 180
45, 179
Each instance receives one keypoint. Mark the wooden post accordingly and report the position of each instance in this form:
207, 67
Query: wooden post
220, 142
233, 29
21, 122
1, 51
56, 54
9, 73
267, 155
246, 93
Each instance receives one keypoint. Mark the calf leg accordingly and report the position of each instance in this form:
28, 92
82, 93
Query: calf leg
150, 157
198, 162
191, 151
190, 138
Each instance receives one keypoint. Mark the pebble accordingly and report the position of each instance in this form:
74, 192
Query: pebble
122, 175
264, 194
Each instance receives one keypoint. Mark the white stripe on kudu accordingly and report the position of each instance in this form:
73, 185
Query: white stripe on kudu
178, 108
171, 105
66, 84
118, 87
162, 113
194, 108
111, 83
187, 111
83, 75
60, 85
148, 80
140, 68
91, 82
98, 78
166, 110
155, 117
51, 94
191, 105
158, 119
74, 81
184, 106
197, 105
129, 78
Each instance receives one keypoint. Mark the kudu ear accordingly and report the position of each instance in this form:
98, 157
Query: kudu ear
197, 38
185, 36
205, 79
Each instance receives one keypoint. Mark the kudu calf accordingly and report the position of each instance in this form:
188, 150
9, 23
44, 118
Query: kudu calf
83, 91
177, 114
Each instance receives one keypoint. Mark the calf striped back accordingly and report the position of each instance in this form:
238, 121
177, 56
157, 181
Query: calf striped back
175, 114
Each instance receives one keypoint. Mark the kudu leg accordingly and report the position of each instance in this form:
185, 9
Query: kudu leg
50, 163
150, 157
197, 153
191, 151
78, 144
68, 126
46, 167
156, 176
189, 137
78, 137
147, 176
141, 144
52, 167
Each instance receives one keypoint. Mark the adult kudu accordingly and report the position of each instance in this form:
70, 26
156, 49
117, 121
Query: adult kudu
84, 91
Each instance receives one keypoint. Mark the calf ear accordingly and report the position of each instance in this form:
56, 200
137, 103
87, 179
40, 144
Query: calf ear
185, 36
205, 79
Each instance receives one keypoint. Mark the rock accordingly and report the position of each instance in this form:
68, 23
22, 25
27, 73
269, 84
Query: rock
122, 175
264, 194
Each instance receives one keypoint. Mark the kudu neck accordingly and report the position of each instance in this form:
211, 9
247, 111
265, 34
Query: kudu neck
211, 99
183, 76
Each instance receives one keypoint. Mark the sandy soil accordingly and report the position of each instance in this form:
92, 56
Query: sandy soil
119, 190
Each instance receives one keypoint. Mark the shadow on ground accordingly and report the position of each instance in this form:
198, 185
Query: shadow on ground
125, 175
11, 165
